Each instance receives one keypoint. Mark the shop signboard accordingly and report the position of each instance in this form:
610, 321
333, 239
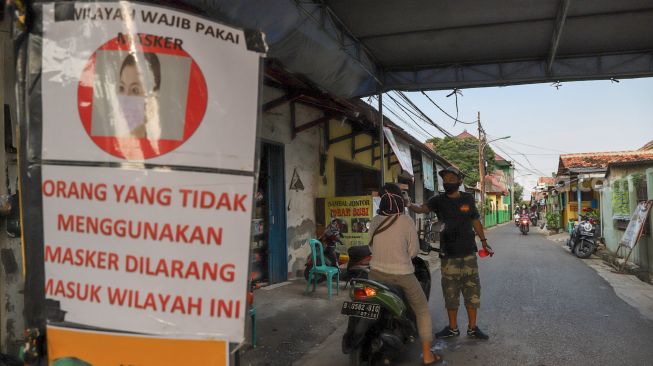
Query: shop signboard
149, 119
353, 216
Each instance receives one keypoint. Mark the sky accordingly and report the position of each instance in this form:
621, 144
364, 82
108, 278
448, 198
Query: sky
544, 121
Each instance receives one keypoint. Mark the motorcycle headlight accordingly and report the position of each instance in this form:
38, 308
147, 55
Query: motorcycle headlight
587, 226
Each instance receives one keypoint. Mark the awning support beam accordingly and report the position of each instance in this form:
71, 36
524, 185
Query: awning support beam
348, 136
279, 101
308, 125
557, 33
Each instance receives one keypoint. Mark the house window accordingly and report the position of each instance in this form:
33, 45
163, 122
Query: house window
355, 180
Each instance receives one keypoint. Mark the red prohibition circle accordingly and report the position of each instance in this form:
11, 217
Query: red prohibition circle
134, 148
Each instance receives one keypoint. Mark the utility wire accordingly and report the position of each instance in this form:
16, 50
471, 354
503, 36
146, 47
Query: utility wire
520, 164
410, 102
426, 135
535, 146
445, 112
529, 161
405, 110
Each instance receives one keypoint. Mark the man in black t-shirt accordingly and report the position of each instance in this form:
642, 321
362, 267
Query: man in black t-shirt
457, 210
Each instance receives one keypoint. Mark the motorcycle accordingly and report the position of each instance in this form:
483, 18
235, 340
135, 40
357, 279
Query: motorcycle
581, 242
381, 323
358, 264
534, 218
516, 217
329, 239
524, 224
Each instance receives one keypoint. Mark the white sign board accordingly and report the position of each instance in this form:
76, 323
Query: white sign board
149, 131
141, 83
401, 150
636, 225
427, 173
157, 252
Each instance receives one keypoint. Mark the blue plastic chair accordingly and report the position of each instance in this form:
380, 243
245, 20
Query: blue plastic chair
322, 269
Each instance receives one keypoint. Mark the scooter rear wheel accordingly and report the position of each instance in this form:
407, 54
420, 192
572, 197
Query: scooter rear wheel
357, 357
583, 250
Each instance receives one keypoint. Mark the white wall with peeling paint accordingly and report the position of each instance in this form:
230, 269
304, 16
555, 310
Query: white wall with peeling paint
302, 155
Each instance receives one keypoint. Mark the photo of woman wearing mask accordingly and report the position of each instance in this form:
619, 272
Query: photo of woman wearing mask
138, 88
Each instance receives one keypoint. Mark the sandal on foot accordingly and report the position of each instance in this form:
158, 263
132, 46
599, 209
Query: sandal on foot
437, 361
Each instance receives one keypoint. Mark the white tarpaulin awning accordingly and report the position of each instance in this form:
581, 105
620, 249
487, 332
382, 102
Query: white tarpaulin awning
401, 150
427, 172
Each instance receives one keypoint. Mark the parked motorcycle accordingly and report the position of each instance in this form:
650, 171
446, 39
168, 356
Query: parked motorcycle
358, 264
582, 242
381, 322
329, 239
534, 218
524, 222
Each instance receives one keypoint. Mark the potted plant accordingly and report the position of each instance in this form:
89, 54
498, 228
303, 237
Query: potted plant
553, 222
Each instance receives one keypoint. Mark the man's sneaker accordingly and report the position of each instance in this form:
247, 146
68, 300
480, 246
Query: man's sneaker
447, 332
477, 333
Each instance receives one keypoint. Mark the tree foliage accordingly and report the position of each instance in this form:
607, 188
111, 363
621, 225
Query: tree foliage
519, 192
464, 154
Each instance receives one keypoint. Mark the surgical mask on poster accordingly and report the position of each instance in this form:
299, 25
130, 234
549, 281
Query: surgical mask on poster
132, 109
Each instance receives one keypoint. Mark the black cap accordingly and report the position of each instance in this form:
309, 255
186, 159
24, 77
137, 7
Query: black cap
451, 169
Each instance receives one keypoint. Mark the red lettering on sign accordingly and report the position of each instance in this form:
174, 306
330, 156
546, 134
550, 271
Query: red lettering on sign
210, 200
73, 290
225, 309
150, 301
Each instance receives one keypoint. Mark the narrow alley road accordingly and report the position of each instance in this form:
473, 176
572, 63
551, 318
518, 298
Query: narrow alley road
540, 306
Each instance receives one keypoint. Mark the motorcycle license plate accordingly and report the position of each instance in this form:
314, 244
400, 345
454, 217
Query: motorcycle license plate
361, 309
586, 233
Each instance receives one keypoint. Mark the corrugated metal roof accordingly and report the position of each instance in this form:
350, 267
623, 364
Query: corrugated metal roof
358, 48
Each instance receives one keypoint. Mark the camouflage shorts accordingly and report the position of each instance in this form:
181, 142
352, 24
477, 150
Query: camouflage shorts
461, 275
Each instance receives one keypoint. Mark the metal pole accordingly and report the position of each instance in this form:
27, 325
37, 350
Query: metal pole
481, 170
512, 191
578, 183
381, 140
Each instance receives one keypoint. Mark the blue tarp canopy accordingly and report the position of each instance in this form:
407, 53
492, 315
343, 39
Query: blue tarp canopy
358, 48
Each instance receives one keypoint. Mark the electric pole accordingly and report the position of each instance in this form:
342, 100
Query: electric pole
381, 142
481, 167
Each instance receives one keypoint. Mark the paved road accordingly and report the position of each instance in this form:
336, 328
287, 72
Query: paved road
541, 306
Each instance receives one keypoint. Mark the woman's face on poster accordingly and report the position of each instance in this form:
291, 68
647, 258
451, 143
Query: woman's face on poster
137, 97
131, 82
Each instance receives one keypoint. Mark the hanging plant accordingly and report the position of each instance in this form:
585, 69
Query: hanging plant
638, 179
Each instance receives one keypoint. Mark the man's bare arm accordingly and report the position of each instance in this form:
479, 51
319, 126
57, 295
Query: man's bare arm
424, 209
478, 228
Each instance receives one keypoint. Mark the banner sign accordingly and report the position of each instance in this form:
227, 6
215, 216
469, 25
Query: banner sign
401, 150
148, 149
353, 215
427, 173
74, 347
142, 83
636, 225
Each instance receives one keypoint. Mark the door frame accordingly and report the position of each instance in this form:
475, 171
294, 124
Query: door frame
276, 215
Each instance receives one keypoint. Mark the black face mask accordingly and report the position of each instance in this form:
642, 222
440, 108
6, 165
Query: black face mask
450, 188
